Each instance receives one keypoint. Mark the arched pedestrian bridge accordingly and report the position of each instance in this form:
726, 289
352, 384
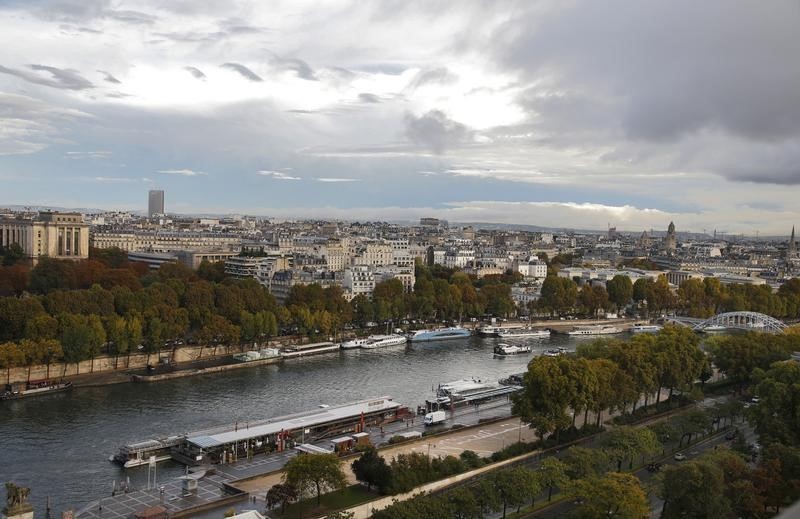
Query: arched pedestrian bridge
752, 321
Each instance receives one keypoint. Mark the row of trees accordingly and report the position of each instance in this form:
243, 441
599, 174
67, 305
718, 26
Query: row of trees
608, 375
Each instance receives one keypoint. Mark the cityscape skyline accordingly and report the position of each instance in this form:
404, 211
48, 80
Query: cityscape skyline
502, 115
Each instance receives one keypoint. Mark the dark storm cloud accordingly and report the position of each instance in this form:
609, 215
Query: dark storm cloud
244, 71
63, 78
366, 97
196, 72
435, 131
663, 70
108, 77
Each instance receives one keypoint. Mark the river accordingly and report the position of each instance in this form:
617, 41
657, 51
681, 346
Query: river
58, 445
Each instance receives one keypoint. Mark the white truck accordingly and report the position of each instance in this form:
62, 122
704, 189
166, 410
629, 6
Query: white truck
435, 417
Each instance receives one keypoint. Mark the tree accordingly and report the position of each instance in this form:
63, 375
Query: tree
52, 274
548, 388
513, 486
777, 416
11, 356
620, 290
318, 472
693, 489
372, 469
625, 443
584, 462
552, 474
281, 494
12, 254
612, 495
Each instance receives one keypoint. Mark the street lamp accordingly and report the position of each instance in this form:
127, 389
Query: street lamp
429, 450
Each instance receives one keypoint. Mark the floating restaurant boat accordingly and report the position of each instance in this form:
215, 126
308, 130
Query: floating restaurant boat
646, 328
379, 341
503, 350
467, 391
439, 334
600, 329
142, 453
43, 387
491, 330
227, 443
523, 333
309, 349
354, 343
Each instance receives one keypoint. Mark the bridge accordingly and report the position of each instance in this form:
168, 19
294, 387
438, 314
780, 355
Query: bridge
752, 321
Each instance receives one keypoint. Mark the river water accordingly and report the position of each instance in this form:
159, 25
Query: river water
58, 445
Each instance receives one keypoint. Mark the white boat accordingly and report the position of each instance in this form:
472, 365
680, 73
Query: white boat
646, 328
136, 454
354, 343
528, 333
715, 328
557, 352
439, 334
379, 341
491, 331
600, 329
506, 349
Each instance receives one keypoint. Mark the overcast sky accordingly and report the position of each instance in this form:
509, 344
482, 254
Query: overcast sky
562, 113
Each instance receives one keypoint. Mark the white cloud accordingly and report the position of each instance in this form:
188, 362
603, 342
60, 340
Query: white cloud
78, 155
183, 172
277, 175
335, 180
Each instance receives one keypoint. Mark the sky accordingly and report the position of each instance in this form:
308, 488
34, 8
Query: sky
557, 113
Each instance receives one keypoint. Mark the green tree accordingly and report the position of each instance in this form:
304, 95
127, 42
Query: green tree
372, 469
513, 486
315, 472
612, 495
777, 416
584, 462
281, 494
693, 489
552, 474
620, 291
625, 443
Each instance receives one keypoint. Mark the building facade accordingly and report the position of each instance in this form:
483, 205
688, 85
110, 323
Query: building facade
51, 234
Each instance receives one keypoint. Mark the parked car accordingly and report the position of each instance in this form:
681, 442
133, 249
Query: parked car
755, 400
679, 456
732, 434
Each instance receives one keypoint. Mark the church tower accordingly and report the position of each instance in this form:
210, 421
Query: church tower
792, 250
671, 242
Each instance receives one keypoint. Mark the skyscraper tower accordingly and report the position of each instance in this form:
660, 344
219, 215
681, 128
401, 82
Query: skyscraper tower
155, 202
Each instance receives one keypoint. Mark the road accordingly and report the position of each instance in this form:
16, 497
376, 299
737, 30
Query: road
648, 478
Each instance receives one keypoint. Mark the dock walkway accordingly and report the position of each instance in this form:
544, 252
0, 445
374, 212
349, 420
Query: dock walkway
219, 490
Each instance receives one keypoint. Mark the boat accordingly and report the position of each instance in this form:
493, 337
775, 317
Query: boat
142, 453
491, 331
379, 341
308, 349
17, 390
715, 328
503, 350
439, 334
524, 333
646, 328
354, 343
467, 391
600, 329
555, 352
